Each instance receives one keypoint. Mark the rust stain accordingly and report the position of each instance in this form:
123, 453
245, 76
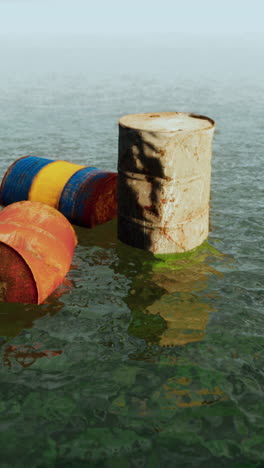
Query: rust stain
3, 290
164, 231
194, 215
195, 154
102, 205
152, 209
26, 355
16, 280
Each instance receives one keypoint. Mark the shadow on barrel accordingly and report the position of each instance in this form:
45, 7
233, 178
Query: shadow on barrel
152, 169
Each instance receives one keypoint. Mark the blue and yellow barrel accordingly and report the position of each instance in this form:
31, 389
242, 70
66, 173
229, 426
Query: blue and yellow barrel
87, 196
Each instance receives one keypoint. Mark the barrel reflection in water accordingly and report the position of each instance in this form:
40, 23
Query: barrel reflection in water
169, 300
185, 306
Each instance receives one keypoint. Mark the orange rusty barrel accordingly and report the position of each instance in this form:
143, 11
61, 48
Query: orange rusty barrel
36, 248
87, 196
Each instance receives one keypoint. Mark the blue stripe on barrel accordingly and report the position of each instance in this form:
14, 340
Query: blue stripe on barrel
73, 198
19, 177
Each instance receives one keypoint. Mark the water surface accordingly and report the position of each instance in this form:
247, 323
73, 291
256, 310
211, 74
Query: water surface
139, 360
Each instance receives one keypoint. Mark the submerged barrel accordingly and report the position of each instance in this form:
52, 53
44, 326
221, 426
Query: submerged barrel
36, 248
87, 196
164, 172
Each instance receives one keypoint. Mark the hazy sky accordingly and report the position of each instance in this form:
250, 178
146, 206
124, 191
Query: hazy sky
131, 16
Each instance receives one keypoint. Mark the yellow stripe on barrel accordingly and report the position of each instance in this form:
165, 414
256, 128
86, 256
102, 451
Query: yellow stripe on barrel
49, 183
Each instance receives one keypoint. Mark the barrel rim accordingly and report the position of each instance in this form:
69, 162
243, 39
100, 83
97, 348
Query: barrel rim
189, 114
9, 169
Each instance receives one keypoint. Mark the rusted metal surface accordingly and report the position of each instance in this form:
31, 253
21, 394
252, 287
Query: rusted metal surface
17, 283
101, 206
164, 172
41, 243
90, 197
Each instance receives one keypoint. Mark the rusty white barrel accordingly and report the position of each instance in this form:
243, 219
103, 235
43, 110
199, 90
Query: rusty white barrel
164, 172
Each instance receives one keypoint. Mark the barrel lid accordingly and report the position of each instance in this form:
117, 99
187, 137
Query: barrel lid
166, 122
